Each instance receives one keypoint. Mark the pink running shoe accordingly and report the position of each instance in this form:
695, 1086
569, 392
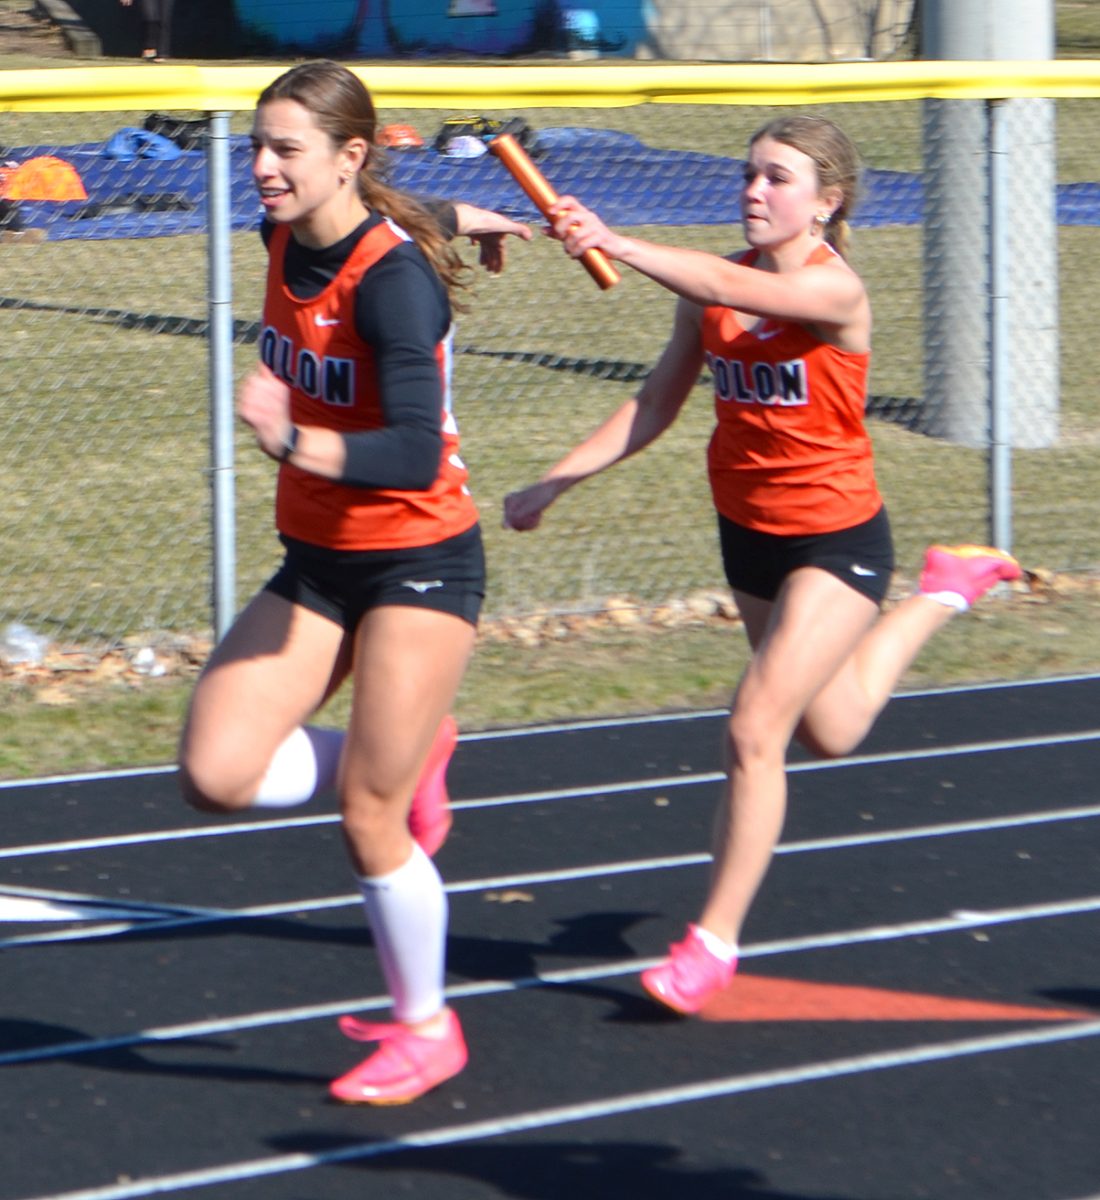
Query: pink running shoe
968, 571
405, 1066
690, 976
430, 815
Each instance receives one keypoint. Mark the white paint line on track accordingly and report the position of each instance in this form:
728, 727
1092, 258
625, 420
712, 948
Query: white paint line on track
712, 714
29, 909
957, 922
663, 783
184, 917
1023, 743
7, 785
952, 829
166, 835
525, 731
47, 904
592, 1110
796, 768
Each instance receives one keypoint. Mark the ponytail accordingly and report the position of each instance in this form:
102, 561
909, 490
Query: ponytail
416, 220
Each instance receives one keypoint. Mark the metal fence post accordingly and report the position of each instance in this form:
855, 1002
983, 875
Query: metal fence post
1000, 372
220, 309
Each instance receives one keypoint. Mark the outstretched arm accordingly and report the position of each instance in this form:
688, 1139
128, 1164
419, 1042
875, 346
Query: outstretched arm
637, 423
828, 294
488, 229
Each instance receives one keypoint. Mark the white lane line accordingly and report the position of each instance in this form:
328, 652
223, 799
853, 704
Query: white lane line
591, 1110
165, 835
608, 789
29, 909
173, 917
188, 917
885, 758
949, 829
86, 777
526, 731
47, 904
959, 920
953, 923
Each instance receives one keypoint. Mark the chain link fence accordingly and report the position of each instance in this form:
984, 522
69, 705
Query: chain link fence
106, 532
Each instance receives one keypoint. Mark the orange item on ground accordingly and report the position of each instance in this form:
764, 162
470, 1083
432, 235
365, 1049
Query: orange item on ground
42, 178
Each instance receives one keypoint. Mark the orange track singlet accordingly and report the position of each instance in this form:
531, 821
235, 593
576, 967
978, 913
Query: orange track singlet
312, 345
789, 453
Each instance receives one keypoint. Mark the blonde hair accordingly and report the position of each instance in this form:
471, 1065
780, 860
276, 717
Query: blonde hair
835, 158
343, 109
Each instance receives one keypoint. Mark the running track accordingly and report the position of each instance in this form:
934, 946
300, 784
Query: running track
918, 1013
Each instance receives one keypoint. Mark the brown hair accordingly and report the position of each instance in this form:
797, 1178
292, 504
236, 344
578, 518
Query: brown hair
343, 108
835, 158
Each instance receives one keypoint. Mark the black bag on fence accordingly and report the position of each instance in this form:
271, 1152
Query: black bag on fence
188, 135
484, 129
10, 216
135, 202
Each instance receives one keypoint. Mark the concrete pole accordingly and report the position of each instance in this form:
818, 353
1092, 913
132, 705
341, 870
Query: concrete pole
961, 239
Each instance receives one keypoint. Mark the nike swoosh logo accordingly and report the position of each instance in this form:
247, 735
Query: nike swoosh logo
323, 321
762, 335
422, 585
858, 570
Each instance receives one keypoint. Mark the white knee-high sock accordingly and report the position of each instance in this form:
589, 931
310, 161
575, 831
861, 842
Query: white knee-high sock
303, 765
407, 912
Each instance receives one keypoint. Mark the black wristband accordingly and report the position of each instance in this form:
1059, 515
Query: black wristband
290, 443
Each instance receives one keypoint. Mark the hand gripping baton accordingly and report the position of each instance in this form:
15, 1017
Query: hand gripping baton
534, 183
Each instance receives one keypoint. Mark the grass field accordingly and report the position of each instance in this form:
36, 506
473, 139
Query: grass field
107, 487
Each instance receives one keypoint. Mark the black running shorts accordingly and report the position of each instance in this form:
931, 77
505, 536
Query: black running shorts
342, 585
757, 563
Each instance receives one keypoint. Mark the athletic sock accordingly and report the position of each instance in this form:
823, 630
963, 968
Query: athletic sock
303, 766
725, 951
954, 600
407, 913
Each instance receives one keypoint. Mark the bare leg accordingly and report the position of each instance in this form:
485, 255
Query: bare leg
823, 668
953, 577
792, 663
408, 666
275, 667
841, 714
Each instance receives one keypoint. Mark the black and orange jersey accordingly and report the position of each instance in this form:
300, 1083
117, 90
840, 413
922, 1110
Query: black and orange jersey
790, 453
367, 352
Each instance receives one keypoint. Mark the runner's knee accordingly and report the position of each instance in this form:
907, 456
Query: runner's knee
208, 787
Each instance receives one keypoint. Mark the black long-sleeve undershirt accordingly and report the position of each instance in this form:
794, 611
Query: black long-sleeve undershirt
402, 312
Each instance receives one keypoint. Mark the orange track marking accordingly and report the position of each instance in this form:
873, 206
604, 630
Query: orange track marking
756, 998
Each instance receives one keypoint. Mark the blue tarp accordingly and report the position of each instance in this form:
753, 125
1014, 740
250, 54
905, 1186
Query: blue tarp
628, 182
